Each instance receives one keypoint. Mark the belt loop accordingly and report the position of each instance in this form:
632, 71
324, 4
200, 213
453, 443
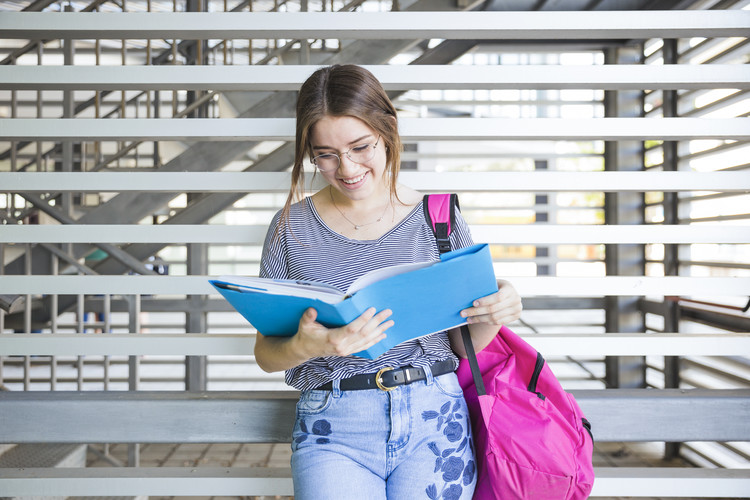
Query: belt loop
428, 378
336, 388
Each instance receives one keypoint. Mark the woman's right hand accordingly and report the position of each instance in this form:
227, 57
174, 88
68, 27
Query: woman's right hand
315, 340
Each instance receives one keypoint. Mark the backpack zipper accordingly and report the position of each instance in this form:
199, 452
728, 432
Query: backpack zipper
535, 376
587, 426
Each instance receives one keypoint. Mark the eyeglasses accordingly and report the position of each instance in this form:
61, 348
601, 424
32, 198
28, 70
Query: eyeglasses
361, 153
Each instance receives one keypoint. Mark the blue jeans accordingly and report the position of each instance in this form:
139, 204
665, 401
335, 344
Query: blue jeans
413, 442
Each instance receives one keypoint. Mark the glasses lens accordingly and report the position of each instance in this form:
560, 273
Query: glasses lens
363, 153
326, 162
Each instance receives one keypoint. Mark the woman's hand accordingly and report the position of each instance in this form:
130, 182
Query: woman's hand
315, 340
486, 316
500, 308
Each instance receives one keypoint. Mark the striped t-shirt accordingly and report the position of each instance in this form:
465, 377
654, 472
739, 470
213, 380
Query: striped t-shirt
307, 249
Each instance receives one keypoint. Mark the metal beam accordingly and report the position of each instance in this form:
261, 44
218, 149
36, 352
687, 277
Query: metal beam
273, 481
393, 77
526, 286
483, 25
189, 344
500, 234
671, 482
411, 129
279, 182
623, 208
180, 417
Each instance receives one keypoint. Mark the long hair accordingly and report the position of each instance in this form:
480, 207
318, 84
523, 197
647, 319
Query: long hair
343, 90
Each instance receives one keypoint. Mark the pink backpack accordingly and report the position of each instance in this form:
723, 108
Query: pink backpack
530, 436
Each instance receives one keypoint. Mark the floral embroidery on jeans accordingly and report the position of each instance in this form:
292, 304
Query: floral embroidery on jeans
320, 428
455, 472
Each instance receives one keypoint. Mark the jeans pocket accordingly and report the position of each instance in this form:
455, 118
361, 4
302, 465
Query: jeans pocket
313, 403
448, 385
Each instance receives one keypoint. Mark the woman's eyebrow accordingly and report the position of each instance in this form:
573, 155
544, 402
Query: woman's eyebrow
350, 142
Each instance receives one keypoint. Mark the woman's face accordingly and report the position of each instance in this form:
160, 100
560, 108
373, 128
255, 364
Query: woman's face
339, 134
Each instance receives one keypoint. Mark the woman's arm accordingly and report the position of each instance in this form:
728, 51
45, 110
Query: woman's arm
314, 340
487, 316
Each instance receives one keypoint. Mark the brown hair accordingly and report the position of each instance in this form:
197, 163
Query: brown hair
343, 90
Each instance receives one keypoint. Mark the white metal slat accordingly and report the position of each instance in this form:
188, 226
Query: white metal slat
502, 234
279, 182
223, 78
608, 344
378, 25
526, 286
209, 481
438, 129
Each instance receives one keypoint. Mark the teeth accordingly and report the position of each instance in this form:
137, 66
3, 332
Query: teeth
354, 180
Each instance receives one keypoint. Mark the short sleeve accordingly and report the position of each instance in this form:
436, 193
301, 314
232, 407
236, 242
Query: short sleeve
273, 261
460, 234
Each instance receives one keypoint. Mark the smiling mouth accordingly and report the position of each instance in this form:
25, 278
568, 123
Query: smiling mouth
354, 180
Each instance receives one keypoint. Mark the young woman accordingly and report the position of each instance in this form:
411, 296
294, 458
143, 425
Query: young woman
395, 427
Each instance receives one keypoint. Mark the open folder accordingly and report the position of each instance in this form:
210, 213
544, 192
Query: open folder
425, 297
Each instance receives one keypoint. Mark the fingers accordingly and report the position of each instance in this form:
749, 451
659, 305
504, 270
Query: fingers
362, 333
309, 317
500, 308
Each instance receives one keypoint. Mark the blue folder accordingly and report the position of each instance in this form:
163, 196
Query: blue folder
423, 301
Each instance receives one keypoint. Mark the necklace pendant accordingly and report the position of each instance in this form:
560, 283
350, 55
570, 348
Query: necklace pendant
356, 227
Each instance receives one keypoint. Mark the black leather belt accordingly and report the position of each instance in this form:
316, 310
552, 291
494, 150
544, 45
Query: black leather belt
389, 378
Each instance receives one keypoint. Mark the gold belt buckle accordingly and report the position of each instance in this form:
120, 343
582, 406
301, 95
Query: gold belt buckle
379, 379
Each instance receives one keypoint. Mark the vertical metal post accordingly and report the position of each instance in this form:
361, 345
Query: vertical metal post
195, 319
671, 252
55, 264
68, 112
106, 329
27, 319
2, 313
39, 107
134, 309
195, 57
134, 326
250, 40
80, 330
623, 314
542, 217
98, 154
13, 158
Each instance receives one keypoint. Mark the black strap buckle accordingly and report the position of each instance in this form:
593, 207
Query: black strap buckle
441, 236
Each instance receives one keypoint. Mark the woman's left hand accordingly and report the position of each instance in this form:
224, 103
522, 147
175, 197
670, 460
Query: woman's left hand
500, 308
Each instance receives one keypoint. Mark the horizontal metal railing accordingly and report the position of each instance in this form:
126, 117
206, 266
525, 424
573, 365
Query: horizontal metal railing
500, 234
411, 129
210, 481
526, 286
393, 77
181, 417
278, 182
606, 344
378, 25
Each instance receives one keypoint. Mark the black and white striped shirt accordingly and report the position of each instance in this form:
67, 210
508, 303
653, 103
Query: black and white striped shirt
307, 249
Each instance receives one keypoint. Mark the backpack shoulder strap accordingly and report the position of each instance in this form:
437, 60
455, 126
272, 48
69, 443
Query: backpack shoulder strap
440, 213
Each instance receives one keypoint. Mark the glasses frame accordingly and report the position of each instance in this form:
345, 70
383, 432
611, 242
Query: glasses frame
338, 156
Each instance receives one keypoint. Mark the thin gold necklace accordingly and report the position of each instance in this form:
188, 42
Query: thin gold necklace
357, 226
